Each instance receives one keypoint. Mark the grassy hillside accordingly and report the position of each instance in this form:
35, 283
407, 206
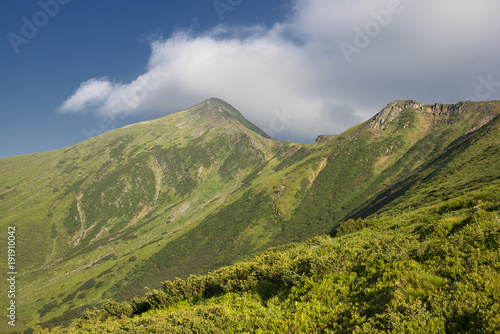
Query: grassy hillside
434, 269
204, 188
86, 215
305, 193
467, 164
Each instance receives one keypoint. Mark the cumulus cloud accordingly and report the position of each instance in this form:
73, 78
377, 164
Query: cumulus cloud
296, 79
90, 94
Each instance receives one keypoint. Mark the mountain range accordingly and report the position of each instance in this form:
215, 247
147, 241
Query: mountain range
204, 188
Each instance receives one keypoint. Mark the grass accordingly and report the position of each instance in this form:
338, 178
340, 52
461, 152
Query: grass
376, 279
145, 198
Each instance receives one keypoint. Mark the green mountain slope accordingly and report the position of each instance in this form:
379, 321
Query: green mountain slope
429, 270
204, 188
468, 163
381, 152
319, 185
86, 215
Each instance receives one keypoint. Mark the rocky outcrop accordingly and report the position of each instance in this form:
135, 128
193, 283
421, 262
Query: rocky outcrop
439, 109
392, 111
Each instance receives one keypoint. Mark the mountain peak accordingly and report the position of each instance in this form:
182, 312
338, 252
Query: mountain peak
215, 107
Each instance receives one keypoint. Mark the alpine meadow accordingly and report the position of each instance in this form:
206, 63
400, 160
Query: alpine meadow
199, 222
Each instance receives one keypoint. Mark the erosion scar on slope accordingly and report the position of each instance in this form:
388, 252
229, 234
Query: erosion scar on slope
81, 214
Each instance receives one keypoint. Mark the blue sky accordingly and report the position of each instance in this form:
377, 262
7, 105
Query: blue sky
88, 39
297, 69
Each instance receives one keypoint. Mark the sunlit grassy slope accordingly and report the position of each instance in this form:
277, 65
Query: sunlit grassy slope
427, 261
204, 188
429, 270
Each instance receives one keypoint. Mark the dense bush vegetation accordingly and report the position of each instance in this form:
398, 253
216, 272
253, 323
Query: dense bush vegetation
434, 270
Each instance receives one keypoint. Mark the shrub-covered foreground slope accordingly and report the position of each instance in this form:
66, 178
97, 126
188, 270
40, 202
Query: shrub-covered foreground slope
426, 259
434, 269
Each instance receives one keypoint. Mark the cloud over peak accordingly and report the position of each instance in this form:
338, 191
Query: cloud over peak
426, 50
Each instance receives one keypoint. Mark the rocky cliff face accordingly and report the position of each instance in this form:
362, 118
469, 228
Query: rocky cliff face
392, 111
482, 113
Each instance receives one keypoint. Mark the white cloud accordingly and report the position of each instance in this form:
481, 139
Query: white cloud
90, 94
426, 50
